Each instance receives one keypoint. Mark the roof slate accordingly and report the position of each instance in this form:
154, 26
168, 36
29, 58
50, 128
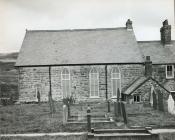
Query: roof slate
159, 53
135, 85
84, 46
140, 82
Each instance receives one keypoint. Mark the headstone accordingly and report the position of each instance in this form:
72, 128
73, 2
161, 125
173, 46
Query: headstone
80, 114
171, 108
109, 109
38, 96
160, 101
65, 115
119, 108
154, 100
89, 119
124, 113
151, 95
118, 94
115, 109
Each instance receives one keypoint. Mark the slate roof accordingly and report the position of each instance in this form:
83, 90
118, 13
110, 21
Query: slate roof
81, 46
134, 85
139, 82
159, 53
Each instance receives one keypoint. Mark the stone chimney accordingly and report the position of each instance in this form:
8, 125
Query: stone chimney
165, 32
129, 24
148, 66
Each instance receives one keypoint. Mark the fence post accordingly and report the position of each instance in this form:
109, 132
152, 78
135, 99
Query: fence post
89, 119
124, 113
65, 115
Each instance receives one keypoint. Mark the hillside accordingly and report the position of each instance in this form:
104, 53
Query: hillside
8, 75
8, 57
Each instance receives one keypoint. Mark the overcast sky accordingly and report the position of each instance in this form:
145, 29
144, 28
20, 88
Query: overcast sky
19, 15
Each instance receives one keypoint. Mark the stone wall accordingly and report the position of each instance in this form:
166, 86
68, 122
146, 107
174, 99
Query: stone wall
33, 78
145, 92
159, 73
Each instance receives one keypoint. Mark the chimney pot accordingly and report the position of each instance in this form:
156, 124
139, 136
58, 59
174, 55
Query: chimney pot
147, 58
129, 25
148, 66
165, 31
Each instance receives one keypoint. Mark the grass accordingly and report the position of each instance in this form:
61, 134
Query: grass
147, 116
27, 118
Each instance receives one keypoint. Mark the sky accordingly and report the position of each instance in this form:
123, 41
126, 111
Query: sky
19, 15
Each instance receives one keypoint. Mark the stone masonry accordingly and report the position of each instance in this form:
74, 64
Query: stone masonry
33, 78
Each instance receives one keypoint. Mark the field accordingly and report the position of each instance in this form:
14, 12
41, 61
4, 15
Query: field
37, 118
8, 76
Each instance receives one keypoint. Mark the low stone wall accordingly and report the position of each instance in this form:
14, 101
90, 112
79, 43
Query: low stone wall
163, 134
45, 136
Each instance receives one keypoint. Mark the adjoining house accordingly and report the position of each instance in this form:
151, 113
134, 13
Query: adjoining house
91, 64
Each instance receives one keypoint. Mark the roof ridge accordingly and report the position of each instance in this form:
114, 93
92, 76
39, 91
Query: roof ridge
148, 41
71, 30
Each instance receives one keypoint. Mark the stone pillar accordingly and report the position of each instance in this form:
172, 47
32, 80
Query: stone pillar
165, 32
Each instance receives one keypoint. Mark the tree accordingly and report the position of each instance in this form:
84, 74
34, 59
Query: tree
51, 104
68, 101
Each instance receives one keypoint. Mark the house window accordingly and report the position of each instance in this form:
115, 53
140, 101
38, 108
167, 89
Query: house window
65, 80
94, 83
116, 81
137, 98
169, 71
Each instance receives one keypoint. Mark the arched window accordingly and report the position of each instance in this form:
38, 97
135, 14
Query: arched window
65, 80
94, 83
116, 81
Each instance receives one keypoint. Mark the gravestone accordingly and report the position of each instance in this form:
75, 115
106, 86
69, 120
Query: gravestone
124, 113
160, 101
154, 100
65, 115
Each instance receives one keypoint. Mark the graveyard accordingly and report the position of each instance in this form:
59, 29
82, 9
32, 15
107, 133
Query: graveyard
28, 118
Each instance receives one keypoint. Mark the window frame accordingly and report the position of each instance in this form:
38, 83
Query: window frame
62, 79
167, 76
137, 95
90, 82
112, 78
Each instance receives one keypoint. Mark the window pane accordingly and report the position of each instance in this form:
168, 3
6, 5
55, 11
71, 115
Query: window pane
114, 82
169, 68
65, 76
65, 83
135, 99
94, 82
169, 73
115, 75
